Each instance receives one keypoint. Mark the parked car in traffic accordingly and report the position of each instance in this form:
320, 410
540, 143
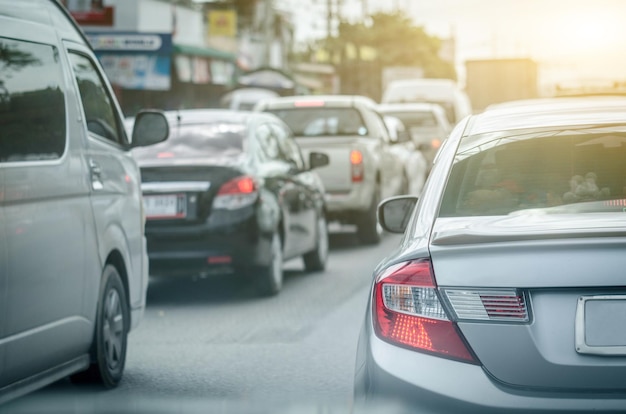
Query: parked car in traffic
444, 92
414, 163
506, 293
230, 191
362, 168
73, 264
427, 124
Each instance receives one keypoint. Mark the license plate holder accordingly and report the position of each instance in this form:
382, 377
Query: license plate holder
165, 206
601, 325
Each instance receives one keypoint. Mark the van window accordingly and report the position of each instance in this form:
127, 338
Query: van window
32, 102
97, 104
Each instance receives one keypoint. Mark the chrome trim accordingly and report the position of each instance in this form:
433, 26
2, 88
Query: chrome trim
581, 344
175, 186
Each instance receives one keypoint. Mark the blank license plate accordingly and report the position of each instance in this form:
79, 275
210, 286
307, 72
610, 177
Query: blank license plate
166, 206
600, 323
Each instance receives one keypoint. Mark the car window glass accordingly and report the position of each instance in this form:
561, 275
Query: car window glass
197, 141
554, 172
289, 146
268, 143
313, 122
32, 102
97, 104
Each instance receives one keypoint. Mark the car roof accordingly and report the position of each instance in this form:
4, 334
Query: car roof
417, 107
49, 13
554, 112
334, 100
196, 116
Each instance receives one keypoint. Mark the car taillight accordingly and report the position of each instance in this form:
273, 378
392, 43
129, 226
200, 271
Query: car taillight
237, 193
408, 312
356, 163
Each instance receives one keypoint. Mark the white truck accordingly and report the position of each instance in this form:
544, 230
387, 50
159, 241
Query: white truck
363, 169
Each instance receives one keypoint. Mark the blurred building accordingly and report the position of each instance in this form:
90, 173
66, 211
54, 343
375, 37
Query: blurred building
172, 54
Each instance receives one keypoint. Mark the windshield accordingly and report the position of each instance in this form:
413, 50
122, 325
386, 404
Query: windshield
197, 141
312, 122
558, 171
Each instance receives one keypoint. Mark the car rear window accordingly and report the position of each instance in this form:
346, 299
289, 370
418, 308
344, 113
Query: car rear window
581, 171
32, 102
312, 122
415, 119
197, 141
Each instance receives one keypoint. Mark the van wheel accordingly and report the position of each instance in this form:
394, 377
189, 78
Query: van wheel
368, 230
111, 334
315, 260
269, 278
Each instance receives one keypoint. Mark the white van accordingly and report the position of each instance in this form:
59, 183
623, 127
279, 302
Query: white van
73, 261
444, 92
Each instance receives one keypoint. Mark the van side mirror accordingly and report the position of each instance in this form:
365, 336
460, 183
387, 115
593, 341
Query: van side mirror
151, 127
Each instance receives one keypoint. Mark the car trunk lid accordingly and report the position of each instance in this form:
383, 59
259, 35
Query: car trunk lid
569, 273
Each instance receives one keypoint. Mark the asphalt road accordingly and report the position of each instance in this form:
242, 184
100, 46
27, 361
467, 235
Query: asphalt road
212, 345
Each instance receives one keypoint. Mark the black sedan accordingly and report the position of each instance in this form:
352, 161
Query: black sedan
230, 191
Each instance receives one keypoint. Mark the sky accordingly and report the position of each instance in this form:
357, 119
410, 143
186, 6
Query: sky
572, 40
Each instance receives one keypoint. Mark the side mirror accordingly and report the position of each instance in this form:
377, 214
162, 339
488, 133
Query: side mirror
394, 213
150, 128
318, 159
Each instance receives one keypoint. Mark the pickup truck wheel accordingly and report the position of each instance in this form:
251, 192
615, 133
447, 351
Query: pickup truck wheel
367, 225
269, 279
315, 260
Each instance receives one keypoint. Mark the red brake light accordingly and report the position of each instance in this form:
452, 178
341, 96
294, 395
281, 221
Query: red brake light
239, 185
356, 161
407, 312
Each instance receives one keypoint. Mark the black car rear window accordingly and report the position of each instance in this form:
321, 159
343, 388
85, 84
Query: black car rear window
312, 121
581, 171
222, 139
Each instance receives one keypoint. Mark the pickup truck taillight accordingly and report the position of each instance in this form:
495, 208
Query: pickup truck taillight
407, 312
356, 164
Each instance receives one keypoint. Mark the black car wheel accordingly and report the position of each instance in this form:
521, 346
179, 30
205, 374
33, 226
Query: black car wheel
315, 260
111, 334
367, 225
269, 278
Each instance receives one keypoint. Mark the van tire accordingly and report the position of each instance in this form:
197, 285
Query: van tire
111, 333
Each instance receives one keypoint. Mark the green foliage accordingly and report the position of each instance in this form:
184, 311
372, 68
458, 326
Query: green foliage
393, 40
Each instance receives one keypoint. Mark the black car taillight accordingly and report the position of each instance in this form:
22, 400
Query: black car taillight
237, 193
407, 311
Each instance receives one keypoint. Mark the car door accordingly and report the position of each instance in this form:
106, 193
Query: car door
46, 213
3, 271
114, 178
275, 171
304, 187
391, 165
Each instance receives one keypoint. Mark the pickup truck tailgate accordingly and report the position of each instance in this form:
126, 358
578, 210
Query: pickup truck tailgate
337, 175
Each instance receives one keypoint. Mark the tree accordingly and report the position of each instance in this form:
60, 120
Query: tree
387, 39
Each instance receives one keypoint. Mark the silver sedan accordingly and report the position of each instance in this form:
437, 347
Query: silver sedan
508, 290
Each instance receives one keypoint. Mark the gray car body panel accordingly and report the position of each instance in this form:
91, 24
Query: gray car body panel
556, 258
55, 233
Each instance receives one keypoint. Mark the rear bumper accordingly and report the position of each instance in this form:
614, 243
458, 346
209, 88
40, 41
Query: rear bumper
389, 376
207, 248
344, 204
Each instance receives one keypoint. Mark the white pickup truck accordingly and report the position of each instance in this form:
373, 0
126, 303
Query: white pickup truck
362, 170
